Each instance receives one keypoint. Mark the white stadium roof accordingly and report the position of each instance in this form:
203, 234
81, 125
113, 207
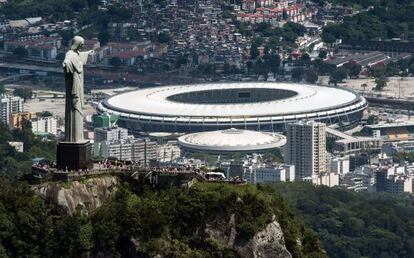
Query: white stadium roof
155, 102
232, 140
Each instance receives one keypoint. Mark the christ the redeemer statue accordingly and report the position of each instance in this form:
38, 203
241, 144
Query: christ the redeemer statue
73, 68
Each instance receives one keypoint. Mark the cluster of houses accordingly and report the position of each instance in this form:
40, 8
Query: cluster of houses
273, 12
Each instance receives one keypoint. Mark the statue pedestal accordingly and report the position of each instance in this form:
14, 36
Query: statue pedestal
74, 155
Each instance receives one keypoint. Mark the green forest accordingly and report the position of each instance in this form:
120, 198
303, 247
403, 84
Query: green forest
169, 222
172, 222
55, 9
15, 164
353, 224
386, 19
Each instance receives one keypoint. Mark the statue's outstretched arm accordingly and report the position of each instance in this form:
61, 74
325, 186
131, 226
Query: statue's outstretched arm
84, 55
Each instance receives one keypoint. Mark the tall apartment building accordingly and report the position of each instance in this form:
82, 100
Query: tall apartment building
16, 120
138, 150
44, 125
306, 148
277, 173
340, 166
9, 105
394, 180
110, 134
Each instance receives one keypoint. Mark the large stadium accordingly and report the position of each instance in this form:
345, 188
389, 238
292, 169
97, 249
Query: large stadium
255, 106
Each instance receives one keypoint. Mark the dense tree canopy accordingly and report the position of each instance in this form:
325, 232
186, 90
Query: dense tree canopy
14, 164
60, 9
355, 224
387, 19
169, 222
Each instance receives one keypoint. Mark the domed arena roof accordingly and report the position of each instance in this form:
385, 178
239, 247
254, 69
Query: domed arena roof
232, 140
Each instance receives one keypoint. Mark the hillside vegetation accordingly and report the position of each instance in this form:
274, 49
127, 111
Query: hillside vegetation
15, 164
354, 224
386, 20
171, 223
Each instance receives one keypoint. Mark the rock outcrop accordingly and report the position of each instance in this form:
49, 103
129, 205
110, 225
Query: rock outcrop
78, 196
268, 242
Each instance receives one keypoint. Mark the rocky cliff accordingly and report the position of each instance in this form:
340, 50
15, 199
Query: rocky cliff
82, 196
268, 242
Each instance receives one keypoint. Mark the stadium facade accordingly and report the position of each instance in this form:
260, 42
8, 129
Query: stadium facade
253, 106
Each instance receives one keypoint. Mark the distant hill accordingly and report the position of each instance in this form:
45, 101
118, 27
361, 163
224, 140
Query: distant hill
386, 19
354, 224
62, 9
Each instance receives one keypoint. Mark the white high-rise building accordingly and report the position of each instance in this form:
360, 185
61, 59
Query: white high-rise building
340, 166
9, 105
137, 150
110, 134
44, 125
306, 148
277, 173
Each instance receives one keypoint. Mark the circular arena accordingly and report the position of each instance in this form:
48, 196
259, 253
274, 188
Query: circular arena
231, 141
255, 106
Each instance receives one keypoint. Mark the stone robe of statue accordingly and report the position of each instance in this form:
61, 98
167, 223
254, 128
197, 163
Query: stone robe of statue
74, 73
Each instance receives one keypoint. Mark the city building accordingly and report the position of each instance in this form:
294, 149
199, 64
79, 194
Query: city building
340, 166
9, 105
16, 120
277, 173
19, 146
168, 152
103, 134
235, 169
326, 179
44, 48
394, 180
44, 125
137, 150
104, 120
399, 184
347, 144
357, 160
306, 148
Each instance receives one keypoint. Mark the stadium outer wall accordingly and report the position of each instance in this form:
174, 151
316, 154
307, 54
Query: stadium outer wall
345, 116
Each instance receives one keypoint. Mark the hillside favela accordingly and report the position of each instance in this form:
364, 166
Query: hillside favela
207, 128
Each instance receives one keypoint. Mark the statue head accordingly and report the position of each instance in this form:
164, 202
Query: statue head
77, 43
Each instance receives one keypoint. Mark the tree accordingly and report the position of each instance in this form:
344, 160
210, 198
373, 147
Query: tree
181, 60
254, 52
60, 56
372, 119
323, 54
297, 74
44, 114
104, 36
272, 62
311, 76
339, 75
20, 52
115, 62
354, 69
24, 93
364, 86
164, 37
66, 35
381, 83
